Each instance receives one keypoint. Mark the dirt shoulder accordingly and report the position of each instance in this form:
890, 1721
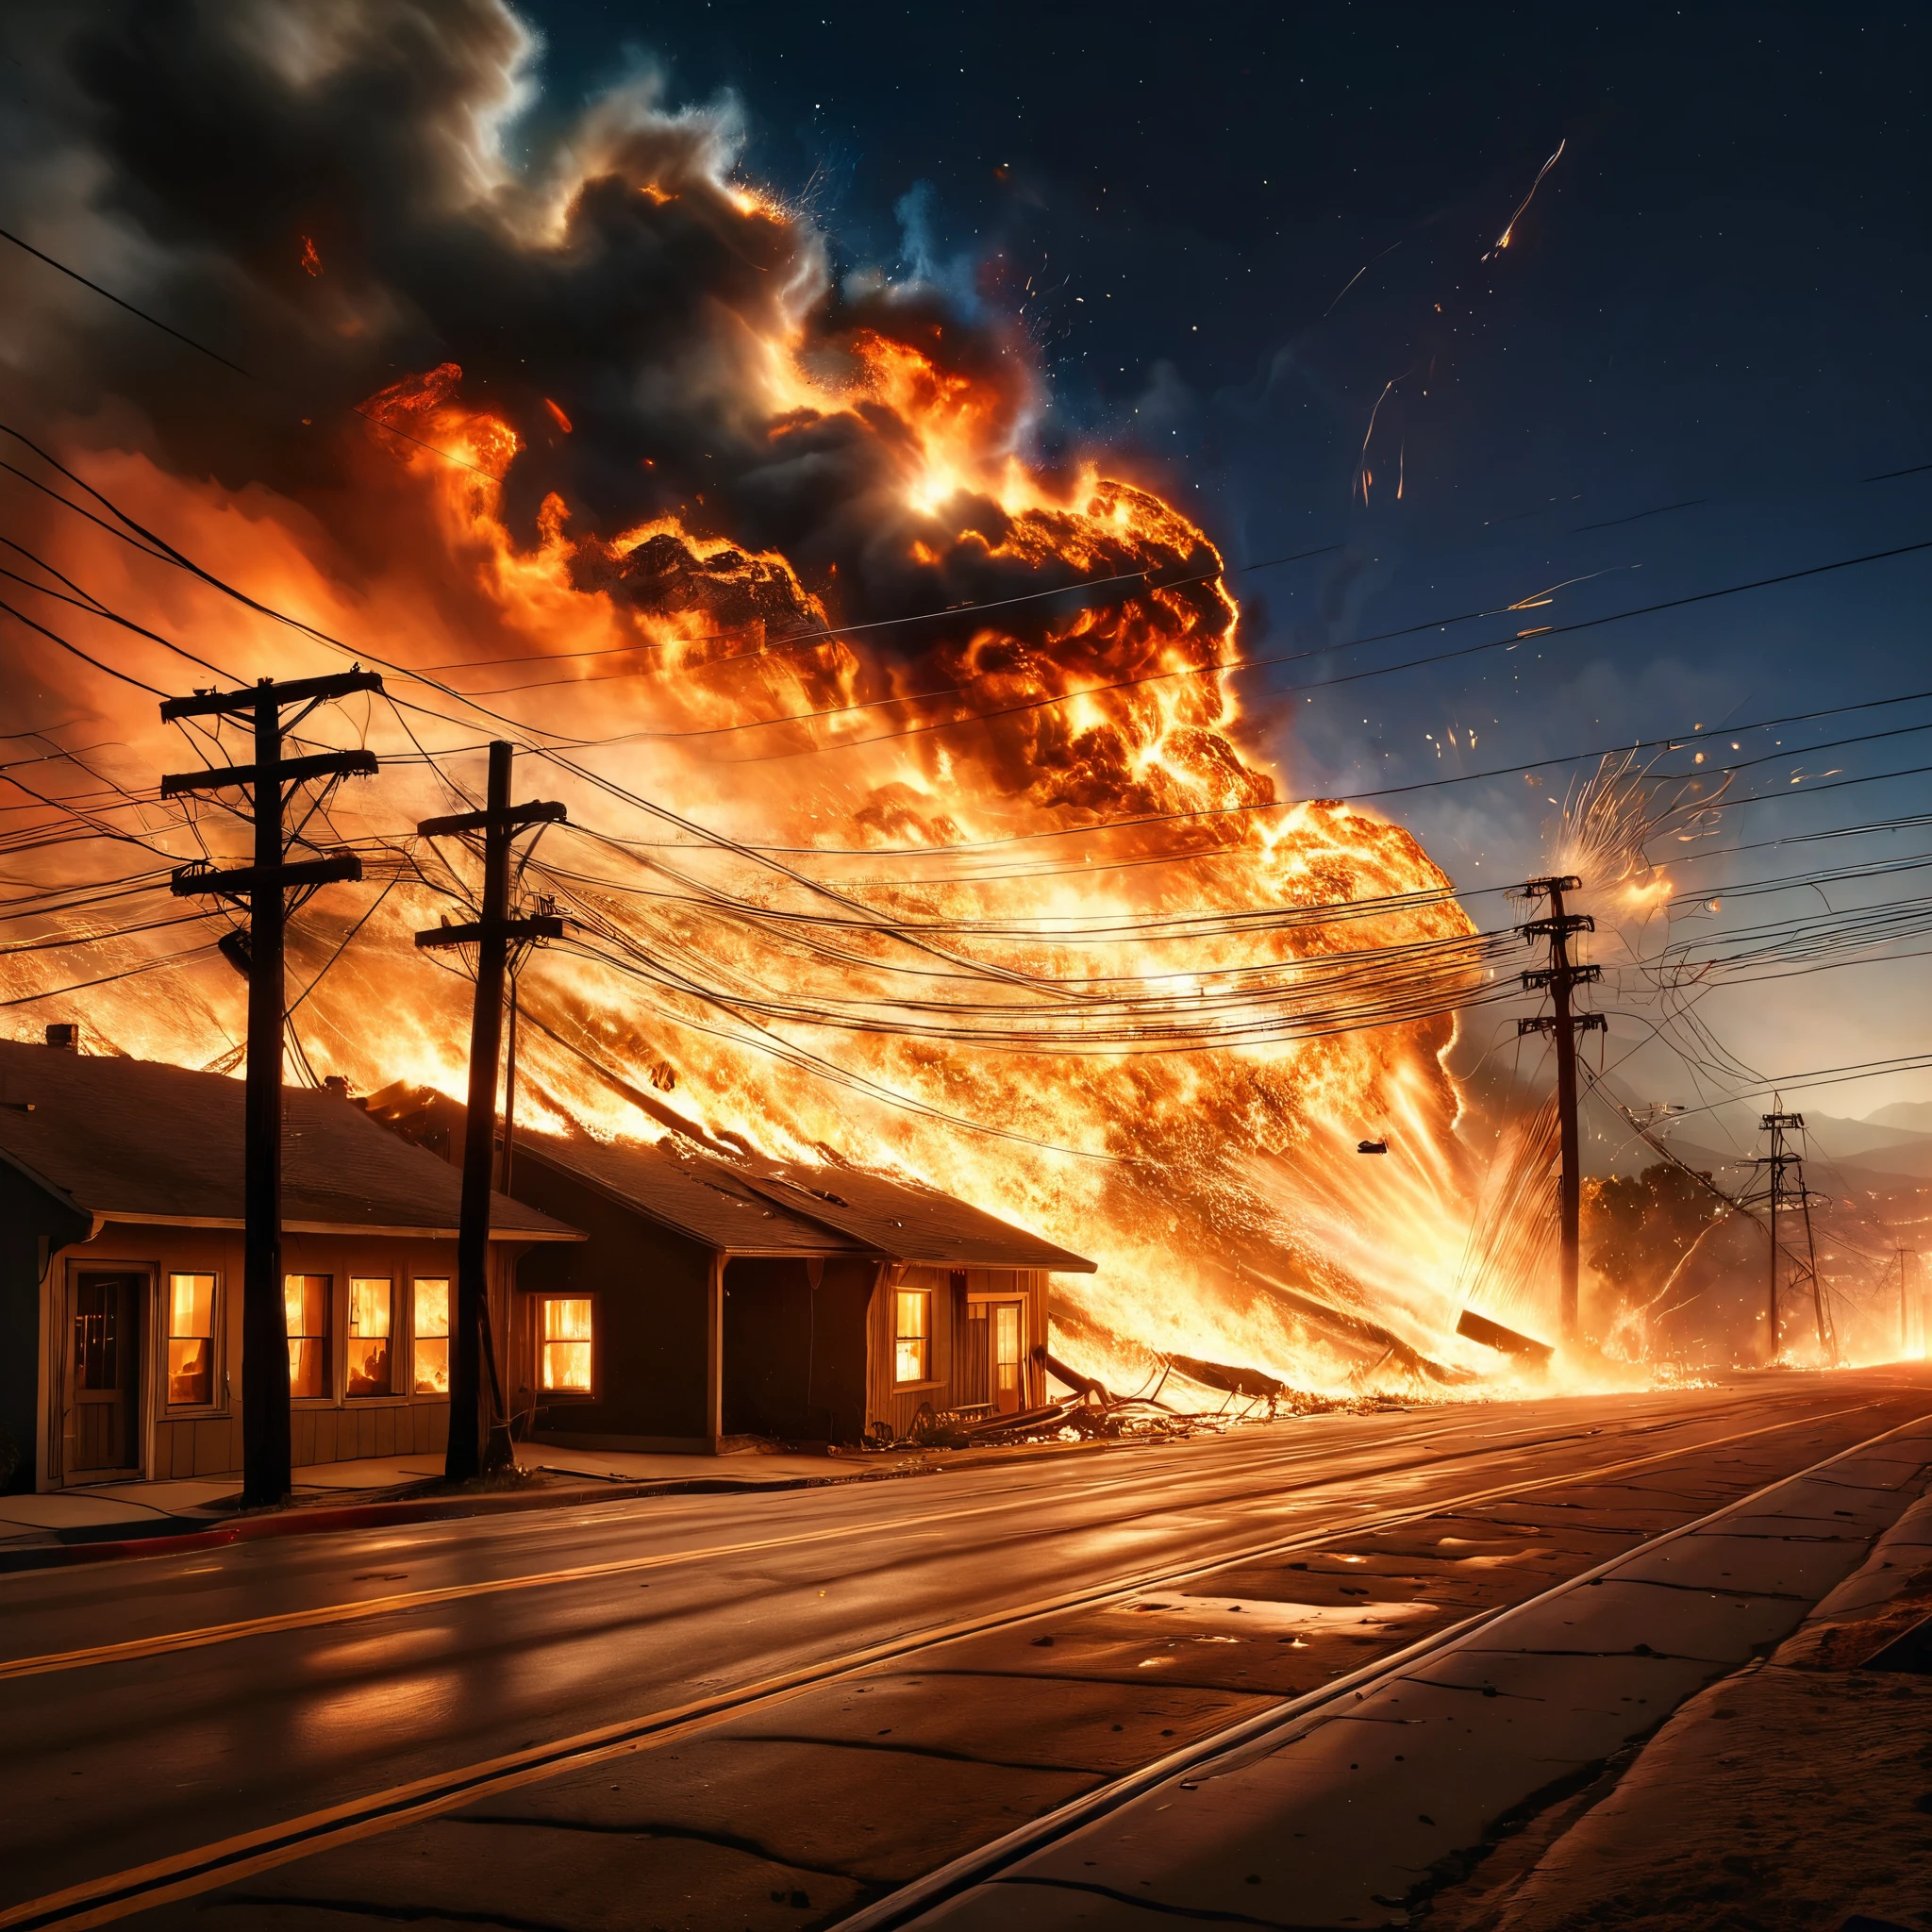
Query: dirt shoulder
1794, 1795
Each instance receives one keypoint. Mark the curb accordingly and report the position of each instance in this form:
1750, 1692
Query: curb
179, 1534
110, 1544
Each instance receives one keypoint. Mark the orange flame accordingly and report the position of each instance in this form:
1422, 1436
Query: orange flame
995, 784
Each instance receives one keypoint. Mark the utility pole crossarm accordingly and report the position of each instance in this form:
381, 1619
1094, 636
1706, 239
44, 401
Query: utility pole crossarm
1559, 979
539, 926
1538, 979
245, 881
295, 690
1781, 1192
263, 885
476, 1440
546, 812
322, 764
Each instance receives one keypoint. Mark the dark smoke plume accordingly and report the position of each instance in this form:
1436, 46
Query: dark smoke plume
316, 189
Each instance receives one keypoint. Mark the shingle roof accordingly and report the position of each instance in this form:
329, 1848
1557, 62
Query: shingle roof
762, 1207
912, 1223
699, 1196
139, 1140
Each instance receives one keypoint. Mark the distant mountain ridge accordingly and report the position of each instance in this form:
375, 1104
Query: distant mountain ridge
1892, 1144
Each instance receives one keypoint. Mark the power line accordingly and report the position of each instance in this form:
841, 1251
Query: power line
1227, 666
1144, 577
248, 375
108, 978
159, 547
1673, 741
55, 637
119, 302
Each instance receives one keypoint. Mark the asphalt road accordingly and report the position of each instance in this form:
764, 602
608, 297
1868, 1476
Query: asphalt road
747, 1711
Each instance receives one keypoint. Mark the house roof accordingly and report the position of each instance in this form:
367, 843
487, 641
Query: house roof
912, 1223
699, 1196
139, 1140
763, 1206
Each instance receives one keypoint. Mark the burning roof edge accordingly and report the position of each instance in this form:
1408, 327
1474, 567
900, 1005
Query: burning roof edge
875, 1214
605, 1175
930, 1228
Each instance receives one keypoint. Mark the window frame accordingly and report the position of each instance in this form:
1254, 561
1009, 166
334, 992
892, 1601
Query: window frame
1016, 1307
417, 1337
541, 1300
926, 1379
216, 1403
398, 1335
329, 1398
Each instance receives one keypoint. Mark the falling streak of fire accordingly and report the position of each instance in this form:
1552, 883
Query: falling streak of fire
1502, 240
1362, 474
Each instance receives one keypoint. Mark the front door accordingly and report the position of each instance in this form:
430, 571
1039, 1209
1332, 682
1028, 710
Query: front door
105, 1358
1008, 1357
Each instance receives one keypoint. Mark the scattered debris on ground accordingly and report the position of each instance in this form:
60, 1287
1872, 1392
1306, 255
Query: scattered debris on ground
1172, 1405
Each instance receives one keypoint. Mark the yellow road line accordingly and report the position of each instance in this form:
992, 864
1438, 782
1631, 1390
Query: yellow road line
100, 1900
318, 1615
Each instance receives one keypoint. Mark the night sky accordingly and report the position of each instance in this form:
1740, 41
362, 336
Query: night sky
1257, 263
1708, 331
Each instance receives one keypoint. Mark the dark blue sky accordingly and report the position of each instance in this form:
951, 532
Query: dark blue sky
1718, 298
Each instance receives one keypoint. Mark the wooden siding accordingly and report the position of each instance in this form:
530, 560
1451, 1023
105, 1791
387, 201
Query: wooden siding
651, 1286
205, 1439
795, 1348
952, 1381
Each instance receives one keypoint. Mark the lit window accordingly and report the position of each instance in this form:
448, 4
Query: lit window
432, 1336
912, 1336
369, 1310
305, 1307
565, 1348
190, 1338
1006, 1353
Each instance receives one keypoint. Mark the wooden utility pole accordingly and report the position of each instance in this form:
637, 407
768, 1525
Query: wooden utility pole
1781, 1191
475, 1442
263, 887
1559, 979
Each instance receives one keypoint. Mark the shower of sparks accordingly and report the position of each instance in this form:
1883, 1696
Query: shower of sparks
1503, 240
1363, 475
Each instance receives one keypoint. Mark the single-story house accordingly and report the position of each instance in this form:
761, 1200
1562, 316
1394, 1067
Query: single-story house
719, 1297
120, 1224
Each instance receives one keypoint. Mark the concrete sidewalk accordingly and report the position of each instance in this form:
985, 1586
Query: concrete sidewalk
1357, 1812
1793, 1793
136, 1510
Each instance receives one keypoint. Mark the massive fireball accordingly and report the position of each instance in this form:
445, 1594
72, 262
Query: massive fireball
877, 854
